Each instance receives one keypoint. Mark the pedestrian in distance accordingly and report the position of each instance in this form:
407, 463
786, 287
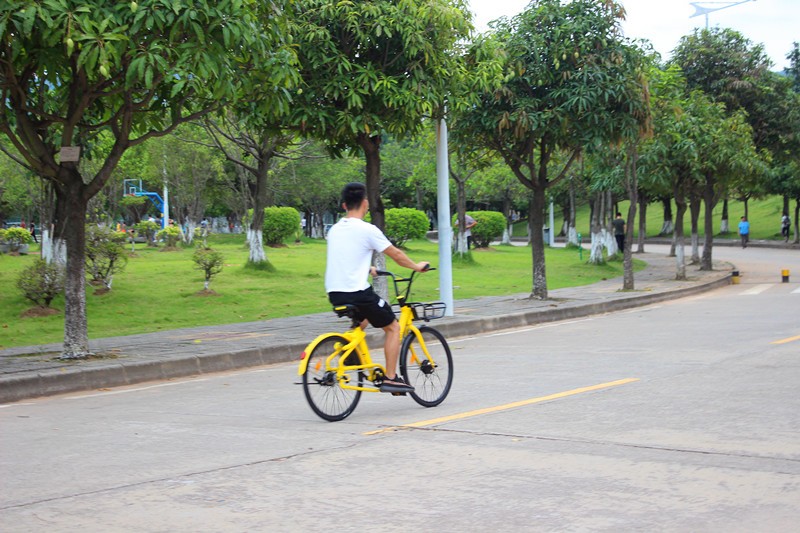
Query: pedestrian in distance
33, 233
619, 231
744, 231
469, 223
786, 222
351, 243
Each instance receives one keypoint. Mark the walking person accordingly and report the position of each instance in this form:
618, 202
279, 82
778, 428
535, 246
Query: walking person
786, 222
351, 243
619, 231
744, 231
33, 233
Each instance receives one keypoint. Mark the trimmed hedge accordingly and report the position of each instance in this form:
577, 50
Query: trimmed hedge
405, 223
280, 223
490, 226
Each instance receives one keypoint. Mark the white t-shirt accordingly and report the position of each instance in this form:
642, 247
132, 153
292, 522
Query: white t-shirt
351, 242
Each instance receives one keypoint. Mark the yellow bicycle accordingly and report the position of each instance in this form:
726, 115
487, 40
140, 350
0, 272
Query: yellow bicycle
337, 367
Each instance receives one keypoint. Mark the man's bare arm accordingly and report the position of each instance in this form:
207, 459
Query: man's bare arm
400, 257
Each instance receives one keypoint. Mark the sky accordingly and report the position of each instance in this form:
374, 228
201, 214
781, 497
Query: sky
773, 23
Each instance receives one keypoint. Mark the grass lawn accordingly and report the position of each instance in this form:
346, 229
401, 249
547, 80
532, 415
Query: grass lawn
159, 290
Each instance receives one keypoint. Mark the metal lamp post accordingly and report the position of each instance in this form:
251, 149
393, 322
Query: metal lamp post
700, 10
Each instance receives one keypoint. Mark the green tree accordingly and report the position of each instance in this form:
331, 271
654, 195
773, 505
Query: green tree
372, 68
572, 84
73, 69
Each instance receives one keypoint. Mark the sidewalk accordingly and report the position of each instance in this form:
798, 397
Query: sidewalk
33, 371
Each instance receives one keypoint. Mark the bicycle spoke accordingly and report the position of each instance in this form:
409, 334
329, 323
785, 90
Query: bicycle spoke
322, 389
431, 376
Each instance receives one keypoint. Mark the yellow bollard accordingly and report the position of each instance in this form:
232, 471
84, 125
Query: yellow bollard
735, 277
785, 275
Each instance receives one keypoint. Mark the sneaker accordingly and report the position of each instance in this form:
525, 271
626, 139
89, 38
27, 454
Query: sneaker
396, 385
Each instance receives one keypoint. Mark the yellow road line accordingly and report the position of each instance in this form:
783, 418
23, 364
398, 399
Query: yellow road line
498, 408
784, 341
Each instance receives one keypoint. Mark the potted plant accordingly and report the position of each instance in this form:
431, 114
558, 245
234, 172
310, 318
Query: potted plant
3, 244
17, 240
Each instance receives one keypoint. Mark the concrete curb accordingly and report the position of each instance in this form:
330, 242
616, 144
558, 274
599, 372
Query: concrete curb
116, 373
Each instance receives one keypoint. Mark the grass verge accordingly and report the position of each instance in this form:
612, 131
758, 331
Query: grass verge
162, 290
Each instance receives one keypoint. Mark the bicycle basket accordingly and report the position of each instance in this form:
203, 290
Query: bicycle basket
429, 311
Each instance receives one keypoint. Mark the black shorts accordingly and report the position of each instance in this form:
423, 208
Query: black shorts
370, 306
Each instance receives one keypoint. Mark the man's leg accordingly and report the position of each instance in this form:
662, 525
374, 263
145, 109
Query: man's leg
391, 348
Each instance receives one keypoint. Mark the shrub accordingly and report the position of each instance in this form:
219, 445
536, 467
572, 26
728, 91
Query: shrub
405, 223
171, 236
16, 237
489, 227
148, 229
209, 261
41, 282
280, 223
105, 253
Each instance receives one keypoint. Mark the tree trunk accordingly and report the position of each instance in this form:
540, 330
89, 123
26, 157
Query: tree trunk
680, 210
596, 252
796, 222
572, 230
709, 201
372, 155
537, 204
255, 234
608, 229
632, 185
71, 207
642, 222
667, 228
694, 213
724, 226
461, 215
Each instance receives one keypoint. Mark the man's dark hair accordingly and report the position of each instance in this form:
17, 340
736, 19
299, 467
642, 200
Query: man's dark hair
619, 214
353, 194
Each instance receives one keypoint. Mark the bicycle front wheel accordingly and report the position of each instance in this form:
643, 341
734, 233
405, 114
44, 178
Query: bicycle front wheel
431, 372
322, 388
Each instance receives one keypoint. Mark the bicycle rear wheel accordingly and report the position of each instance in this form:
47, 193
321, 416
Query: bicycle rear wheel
431, 380
322, 389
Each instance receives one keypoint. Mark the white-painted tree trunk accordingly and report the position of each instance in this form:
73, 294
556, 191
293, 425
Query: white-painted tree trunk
572, 236
609, 241
667, 228
461, 243
188, 235
680, 264
724, 226
507, 235
255, 241
53, 250
695, 248
596, 254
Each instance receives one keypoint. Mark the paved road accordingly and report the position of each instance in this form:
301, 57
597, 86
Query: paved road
678, 416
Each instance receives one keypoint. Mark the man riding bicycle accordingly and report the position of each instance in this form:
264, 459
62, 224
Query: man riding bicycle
351, 243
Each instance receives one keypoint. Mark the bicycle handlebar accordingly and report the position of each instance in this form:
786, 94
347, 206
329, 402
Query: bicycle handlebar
396, 280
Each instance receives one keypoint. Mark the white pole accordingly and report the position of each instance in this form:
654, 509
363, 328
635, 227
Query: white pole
552, 228
165, 217
443, 208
